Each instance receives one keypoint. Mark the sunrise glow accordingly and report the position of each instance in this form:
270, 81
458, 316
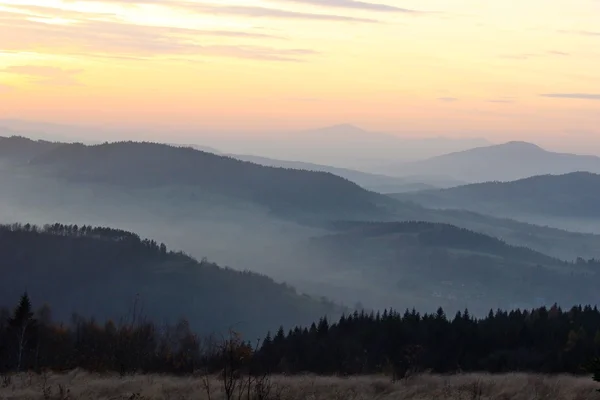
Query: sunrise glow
451, 66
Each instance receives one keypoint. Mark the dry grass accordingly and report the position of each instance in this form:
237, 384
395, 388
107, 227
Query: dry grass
82, 385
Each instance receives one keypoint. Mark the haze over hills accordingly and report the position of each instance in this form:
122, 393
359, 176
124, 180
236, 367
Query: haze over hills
236, 213
570, 201
130, 182
503, 162
375, 182
344, 145
430, 265
102, 272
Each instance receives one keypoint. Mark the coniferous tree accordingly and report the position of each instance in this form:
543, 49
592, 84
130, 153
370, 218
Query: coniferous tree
22, 325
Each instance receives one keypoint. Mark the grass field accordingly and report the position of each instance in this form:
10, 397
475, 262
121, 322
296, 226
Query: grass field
81, 385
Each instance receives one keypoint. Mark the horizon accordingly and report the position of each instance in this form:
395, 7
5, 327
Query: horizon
57, 132
253, 67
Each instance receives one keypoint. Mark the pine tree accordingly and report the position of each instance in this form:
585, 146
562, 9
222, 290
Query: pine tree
22, 323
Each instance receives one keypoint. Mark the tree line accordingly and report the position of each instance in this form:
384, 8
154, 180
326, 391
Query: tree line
547, 340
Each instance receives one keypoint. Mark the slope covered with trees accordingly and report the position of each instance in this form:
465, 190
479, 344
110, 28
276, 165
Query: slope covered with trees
125, 183
110, 273
21, 150
546, 340
150, 165
574, 195
426, 264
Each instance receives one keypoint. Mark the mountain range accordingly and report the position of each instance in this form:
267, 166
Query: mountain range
114, 274
344, 146
374, 182
271, 220
428, 265
571, 201
504, 162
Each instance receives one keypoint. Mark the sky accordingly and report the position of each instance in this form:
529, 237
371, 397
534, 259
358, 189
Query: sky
500, 69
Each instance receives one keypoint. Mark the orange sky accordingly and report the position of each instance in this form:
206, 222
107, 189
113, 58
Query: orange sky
508, 69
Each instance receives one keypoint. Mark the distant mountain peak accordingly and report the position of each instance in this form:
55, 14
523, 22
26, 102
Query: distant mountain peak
346, 128
520, 145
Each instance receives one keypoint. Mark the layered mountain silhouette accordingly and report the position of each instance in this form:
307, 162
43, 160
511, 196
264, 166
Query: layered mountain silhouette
504, 162
571, 200
215, 199
344, 146
438, 264
110, 273
150, 165
375, 182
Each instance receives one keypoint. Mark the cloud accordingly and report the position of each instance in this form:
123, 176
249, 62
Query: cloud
265, 12
258, 53
5, 88
500, 101
354, 4
581, 96
129, 41
303, 99
527, 56
523, 56
448, 99
45, 75
583, 33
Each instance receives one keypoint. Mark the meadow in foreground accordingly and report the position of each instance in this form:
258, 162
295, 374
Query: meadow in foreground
82, 385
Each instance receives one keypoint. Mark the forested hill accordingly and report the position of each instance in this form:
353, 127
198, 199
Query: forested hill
151, 165
431, 235
138, 186
503, 162
548, 340
20, 149
101, 272
426, 265
574, 195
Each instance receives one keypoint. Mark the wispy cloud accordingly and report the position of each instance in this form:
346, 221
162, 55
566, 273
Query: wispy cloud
527, 56
5, 88
265, 12
303, 99
448, 99
268, 12
501, 101
45, 75
354, 4
130, 41
522, 56
581, 96
583, 33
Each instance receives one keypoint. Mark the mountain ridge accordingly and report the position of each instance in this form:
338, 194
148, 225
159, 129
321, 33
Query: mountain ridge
572, 195
502, 162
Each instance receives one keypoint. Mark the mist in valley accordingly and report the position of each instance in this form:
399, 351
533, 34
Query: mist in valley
364, 254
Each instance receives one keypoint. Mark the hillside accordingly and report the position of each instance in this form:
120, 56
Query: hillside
550, 199
19, 149
234, 212
425, 264
288, 192
374, 182
343, 145
101, 272
504, 162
